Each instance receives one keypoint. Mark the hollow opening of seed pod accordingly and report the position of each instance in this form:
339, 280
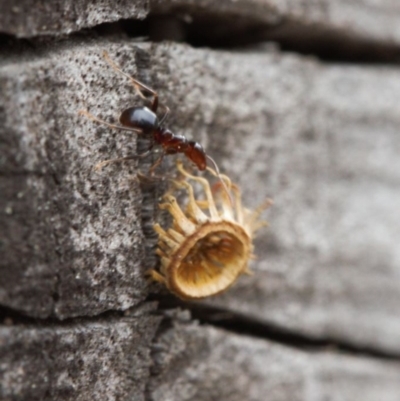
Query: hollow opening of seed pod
211, 263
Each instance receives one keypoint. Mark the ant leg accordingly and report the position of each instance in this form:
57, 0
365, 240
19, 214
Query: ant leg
140, 88
156, 164
164, 117
114, 126
100, 165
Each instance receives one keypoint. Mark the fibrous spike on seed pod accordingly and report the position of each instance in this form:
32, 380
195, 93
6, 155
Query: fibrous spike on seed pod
206, 189
193, 210
179, 218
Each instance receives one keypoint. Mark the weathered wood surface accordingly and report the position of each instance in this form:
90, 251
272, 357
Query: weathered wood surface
321, 139
26, 18
203, 363
366, 19
107, 358
72, 235
363, 19
323, 142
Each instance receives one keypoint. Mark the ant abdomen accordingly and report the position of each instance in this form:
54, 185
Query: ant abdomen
139, 117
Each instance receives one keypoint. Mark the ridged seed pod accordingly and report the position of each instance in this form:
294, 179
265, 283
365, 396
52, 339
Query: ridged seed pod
210, 242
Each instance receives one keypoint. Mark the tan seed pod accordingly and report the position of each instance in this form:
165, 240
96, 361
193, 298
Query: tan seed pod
210, 242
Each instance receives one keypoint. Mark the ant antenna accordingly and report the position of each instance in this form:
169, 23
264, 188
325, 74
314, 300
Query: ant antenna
220, 178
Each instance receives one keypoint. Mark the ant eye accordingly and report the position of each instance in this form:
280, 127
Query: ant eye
211, 242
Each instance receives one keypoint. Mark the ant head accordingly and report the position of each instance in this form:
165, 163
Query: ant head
196, 153
139, 117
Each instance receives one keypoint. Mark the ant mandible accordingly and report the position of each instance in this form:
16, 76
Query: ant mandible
144, 120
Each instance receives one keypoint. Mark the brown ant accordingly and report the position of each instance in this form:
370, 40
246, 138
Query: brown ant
144, 120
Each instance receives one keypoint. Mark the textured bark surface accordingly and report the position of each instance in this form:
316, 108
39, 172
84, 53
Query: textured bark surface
377, 21
319, 318
271, 19
73, 234
26, 18
323, 142
202, 363
104, 359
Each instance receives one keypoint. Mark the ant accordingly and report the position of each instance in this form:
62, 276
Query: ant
144, 120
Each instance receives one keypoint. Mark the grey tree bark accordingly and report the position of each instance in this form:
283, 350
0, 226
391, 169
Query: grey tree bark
319, 318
